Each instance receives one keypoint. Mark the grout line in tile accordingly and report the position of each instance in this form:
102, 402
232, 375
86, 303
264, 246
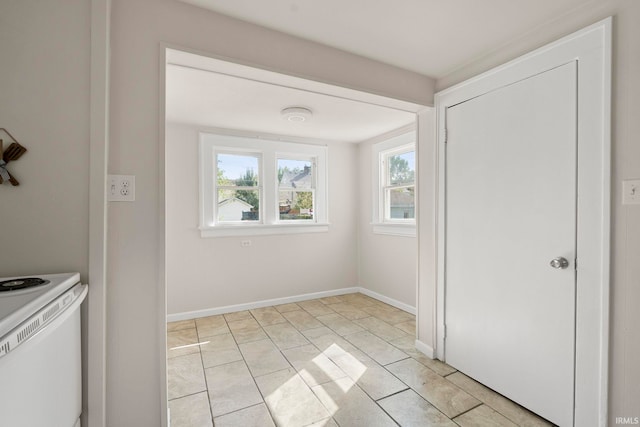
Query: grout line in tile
187, 395
385, 411
262, 395
242, 409
204, 372
392, 394
400, 360
470, 409
270, 373
431, 404
488, 405
245, 364
251, 374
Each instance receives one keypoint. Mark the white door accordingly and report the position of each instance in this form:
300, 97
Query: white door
510, 210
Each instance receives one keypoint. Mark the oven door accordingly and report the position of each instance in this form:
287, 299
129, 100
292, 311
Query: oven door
41, 377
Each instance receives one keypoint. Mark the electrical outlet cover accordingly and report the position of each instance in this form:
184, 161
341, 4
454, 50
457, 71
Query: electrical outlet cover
121, 188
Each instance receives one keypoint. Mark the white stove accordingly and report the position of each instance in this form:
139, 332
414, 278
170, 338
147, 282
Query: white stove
18, 301
40, 360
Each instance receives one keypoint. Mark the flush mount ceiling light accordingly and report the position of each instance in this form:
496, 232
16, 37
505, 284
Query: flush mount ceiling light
297, 114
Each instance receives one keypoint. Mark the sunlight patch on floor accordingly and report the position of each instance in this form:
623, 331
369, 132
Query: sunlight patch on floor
189, 345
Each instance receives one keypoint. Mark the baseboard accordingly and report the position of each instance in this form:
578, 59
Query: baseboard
390, 301
258, 304
286, 300
425, 349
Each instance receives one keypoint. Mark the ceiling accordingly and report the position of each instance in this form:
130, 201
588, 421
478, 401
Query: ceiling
202, 98
431, 37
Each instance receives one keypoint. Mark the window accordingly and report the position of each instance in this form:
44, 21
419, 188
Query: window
252, 186
296, 189
238, 188
395, 186
399, 187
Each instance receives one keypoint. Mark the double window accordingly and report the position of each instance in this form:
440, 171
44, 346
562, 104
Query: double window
395, 185
257, 186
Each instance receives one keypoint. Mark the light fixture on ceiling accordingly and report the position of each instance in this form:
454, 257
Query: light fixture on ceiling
297, 114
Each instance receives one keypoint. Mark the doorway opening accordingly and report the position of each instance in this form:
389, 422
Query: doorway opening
279, 249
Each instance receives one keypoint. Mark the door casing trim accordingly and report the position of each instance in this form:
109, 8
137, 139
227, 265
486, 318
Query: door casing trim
591, 47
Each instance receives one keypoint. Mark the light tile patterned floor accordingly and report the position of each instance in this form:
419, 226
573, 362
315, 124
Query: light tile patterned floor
347, 360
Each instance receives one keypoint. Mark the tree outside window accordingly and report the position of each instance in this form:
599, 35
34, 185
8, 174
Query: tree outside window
399, 186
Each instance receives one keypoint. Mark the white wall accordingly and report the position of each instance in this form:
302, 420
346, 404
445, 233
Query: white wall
44, 48
205, 273
427, 239
386, 264
624, 382
135, 327
44, 103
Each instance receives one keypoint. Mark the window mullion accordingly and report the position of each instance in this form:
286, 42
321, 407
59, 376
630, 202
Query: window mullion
400, 186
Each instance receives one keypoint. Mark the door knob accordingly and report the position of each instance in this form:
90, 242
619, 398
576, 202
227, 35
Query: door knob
559, 262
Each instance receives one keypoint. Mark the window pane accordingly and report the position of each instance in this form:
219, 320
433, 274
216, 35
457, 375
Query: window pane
402, 203
296, 205
237, 170
402, 168
295, 173
238, 205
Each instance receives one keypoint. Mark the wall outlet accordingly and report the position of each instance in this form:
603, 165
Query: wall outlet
245, 243
121, 188
631, 192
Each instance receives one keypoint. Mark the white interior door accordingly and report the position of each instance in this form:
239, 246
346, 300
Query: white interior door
510, 210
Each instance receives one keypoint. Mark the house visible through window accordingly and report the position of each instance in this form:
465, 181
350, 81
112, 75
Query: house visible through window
257, 186
296, 189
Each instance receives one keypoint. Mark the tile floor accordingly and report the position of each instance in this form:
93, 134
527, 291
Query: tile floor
347, 360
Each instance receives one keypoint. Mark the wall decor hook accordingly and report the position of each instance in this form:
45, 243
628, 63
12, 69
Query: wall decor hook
13, 152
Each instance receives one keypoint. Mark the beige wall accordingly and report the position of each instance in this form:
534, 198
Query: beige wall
386, 264
44, 48
44, 103
205, 273
624, 398
134, 325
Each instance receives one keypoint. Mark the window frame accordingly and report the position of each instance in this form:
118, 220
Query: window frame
269, 150
217, 187
386, 186
312, 190
382, 223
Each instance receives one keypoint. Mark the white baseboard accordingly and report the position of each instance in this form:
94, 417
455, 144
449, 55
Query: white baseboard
258, 304
425, 349
286, 300
402, 306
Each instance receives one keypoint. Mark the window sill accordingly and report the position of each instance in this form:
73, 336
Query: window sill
404, 230
262, 229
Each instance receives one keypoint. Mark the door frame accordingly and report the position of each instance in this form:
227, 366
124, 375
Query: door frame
209, 61
591, 47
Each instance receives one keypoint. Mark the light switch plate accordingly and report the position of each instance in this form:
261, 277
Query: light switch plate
631, 192
121, 188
